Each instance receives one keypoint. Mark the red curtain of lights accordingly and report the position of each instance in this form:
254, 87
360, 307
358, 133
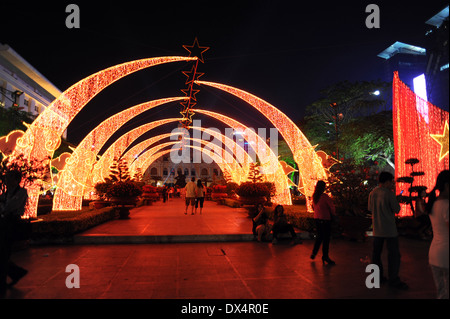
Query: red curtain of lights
421, 132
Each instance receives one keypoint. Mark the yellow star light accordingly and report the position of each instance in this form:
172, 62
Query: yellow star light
443, 141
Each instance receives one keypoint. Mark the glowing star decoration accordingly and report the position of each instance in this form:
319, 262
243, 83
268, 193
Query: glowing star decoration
43, 136
413, 138
117, 148
310, 165
73, 180
443, 141
269, 162
194, 50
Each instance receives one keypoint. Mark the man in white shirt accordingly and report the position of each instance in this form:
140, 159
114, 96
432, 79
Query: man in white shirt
384, 205
190, 195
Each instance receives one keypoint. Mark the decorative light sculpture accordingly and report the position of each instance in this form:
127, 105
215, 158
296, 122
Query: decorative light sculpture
74, 177
133, 153
147, 158
139, 163
269, 162
117, 148
242, 157
309, 164
43, 136
237, 173
194, 50
418, 135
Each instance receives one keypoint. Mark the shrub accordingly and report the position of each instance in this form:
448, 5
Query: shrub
65, 224
250, 189
124, 189
102, 188
219, 189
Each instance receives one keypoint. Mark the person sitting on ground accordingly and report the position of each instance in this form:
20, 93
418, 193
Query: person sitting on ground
261, 224
281, 225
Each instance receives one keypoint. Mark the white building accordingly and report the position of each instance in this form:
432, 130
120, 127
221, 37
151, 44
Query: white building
22, 85
164, 168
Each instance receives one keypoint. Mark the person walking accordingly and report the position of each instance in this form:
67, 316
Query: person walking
383, 205
323, 209
199, 196
190, 195
12, 207
437, 209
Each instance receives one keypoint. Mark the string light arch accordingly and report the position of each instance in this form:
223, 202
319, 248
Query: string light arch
43, 136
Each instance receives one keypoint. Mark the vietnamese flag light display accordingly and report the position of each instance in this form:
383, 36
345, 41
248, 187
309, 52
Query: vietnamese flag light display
420, 131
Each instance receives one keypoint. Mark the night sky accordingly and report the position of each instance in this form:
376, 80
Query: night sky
285, 52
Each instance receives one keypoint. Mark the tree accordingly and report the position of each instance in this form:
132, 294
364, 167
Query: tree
32, 170
341, 123
12, 118
254, 174
119, 171
369, 139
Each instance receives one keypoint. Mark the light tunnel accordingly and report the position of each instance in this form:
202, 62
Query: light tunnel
42, 138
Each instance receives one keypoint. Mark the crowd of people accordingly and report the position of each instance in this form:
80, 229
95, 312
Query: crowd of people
382, 204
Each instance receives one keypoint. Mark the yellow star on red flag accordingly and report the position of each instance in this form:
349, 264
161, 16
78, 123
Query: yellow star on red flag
443, 141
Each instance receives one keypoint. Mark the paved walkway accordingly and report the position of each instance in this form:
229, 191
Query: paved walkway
208, 270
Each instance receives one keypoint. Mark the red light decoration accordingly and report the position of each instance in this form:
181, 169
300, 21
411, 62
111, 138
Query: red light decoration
415, 138
115, 150
43, 136
310, 164
73, 180
194, 50
269, 162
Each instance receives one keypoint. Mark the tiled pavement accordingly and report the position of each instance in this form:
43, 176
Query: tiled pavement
227, 269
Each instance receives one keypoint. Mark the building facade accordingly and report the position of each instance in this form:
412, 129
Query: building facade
21, 85
164, 171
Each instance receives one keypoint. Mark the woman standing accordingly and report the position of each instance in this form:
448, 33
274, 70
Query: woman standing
323, 209
200, 196
438, 254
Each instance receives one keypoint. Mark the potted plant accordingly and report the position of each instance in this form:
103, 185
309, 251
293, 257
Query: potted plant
253, 193
149, 194
124, 193
100, 190
219, 192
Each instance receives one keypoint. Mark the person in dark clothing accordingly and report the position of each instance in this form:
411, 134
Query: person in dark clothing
281, 225
261, 227
12, 207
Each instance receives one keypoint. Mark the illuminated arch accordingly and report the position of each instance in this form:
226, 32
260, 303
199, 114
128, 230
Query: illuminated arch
138, 163
73, 179
310, 166
43, 136
269, 162
236, 171
116, 149
242, 157
147, 158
